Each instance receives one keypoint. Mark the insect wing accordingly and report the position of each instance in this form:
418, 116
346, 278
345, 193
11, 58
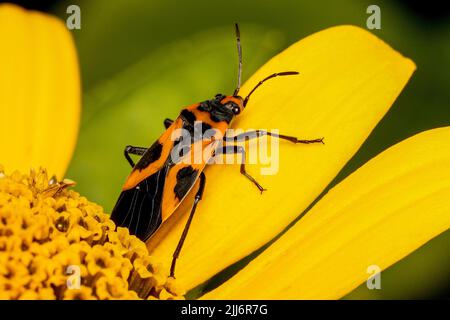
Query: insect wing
139, 209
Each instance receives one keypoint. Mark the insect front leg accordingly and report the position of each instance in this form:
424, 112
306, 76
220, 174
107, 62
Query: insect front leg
259, 133
139, 151
240, 150
197, 199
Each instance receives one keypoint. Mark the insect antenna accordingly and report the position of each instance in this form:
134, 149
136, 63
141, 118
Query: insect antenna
286, 73
239, 48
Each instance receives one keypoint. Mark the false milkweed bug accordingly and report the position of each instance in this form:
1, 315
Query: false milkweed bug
158, 183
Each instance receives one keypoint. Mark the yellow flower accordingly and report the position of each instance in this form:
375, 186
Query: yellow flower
383, 211
39, 255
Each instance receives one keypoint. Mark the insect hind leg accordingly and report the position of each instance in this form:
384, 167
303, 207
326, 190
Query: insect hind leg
139, 151
197, 199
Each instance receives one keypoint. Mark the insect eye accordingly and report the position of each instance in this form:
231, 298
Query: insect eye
236, 110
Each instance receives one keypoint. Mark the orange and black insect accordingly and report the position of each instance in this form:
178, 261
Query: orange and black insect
158, 183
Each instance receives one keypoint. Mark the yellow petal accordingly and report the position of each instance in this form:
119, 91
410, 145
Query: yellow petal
349, 79
39, 91
383, 211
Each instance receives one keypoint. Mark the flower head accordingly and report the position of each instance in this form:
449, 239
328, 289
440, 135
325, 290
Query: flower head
45, 236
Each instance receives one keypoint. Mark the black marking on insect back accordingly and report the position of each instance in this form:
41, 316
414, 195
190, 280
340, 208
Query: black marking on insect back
189, 127
188, 116
217, 111
204, 106
181, 145
139, 209
151, 155
220, 113
188, 121
185, 180
185, 150
205, 127
180, 150
177, 141
190, 124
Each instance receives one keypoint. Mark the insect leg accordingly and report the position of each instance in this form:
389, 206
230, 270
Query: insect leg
167, 123
197, 199
139, 151
240, 150
259, 133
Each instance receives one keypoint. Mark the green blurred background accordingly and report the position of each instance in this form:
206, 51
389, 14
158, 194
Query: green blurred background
141, 61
